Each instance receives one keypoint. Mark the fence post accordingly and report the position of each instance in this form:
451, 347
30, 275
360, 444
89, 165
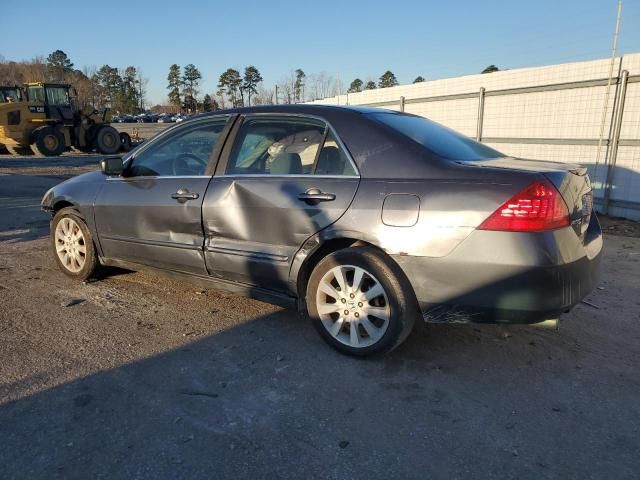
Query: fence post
402, 104
480, 114
615, 139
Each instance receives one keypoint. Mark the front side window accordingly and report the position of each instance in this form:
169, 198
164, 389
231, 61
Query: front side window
287, 146
184, 153
58, 96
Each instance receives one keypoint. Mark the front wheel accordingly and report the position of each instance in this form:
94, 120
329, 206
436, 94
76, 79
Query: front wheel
360, 302
72, 245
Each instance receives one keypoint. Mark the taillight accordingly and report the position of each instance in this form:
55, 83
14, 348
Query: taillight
536, 208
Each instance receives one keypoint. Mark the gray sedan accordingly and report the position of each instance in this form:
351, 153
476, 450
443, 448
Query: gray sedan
363, 219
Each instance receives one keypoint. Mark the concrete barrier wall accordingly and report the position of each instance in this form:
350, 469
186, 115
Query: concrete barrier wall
548, 113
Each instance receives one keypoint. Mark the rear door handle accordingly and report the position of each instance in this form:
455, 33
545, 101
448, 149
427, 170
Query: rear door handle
316, 195
184, 195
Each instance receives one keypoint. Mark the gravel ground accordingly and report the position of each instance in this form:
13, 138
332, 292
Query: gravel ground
137, 376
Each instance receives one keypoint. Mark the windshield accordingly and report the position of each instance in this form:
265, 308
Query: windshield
442, 141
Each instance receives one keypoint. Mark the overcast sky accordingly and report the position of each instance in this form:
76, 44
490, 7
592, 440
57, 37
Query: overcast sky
346, 39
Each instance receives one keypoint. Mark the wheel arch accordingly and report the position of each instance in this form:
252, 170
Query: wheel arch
320, 249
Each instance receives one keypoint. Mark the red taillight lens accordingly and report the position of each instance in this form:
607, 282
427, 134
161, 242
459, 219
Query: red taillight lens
536, 208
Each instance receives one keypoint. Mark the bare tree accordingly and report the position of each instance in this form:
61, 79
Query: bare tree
264, 96
142, 82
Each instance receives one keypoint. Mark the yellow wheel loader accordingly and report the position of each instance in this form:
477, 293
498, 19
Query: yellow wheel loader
9, 95
42, 118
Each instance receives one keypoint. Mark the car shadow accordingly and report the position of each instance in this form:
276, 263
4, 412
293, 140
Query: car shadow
268, 399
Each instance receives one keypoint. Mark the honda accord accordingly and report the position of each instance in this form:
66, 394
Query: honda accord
364, 219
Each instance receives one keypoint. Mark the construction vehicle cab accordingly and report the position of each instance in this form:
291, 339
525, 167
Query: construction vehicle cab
11, 94
46, 121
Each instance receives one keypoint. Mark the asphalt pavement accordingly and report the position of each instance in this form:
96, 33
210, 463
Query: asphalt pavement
138, 376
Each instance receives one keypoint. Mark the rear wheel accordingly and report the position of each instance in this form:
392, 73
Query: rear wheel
360, 303
48, 142
125, 141
107, 140
72, 245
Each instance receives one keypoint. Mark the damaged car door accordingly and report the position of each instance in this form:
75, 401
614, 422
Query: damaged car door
281, 180
151, 214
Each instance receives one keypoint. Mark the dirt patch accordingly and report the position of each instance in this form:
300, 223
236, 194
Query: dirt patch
619, 226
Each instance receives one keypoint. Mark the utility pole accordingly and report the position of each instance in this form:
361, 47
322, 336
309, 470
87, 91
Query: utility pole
276, 102
603, 120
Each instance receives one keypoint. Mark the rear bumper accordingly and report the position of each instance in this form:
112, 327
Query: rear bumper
507, 277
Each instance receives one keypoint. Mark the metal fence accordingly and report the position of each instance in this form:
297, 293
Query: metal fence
550, 113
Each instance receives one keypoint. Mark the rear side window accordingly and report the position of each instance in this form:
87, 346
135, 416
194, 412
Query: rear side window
287, 146
332, 160
442, 141
276, 147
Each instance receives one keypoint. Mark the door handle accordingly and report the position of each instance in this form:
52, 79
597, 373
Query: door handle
316, 195
184, 194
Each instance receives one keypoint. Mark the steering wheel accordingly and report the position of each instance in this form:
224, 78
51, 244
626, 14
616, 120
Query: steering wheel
180, 166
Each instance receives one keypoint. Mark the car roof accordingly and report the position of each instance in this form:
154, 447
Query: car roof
299, 108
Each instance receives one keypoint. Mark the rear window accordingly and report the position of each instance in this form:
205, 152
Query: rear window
442, 141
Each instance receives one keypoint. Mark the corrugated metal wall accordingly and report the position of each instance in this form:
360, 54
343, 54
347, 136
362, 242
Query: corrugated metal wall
547, 113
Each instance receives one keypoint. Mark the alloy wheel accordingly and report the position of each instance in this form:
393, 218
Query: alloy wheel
70, 244
353, 306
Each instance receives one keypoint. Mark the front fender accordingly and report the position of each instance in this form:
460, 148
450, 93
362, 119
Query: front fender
79, 192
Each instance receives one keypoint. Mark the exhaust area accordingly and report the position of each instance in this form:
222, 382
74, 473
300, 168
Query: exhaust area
551, 324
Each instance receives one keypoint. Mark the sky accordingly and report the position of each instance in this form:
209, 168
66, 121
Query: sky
345, 39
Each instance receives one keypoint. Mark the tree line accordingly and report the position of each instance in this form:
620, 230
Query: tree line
121, 89
124, 89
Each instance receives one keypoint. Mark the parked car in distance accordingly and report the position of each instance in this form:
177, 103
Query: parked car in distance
166, 119
365, 219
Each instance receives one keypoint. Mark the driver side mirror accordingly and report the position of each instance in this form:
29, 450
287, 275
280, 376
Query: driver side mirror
112, 165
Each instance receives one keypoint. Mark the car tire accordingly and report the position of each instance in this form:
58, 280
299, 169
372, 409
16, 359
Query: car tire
107, 140
373, 317
47, 142
125, 141
72, 245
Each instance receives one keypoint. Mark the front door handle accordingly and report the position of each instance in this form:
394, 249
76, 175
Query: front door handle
316, 195
183, 195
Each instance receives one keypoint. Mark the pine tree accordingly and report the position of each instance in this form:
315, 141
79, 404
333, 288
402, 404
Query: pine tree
231, 82
356, 86
191, 81
388, 79
207, 104
175, 85
251, 80
58, 66
298, 86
